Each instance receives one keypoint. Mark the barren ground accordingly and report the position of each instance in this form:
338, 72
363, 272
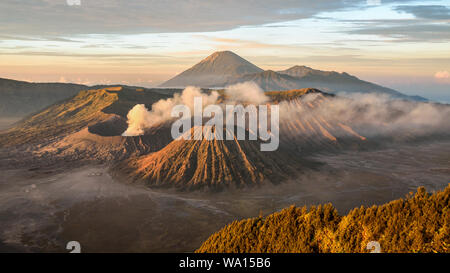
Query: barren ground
41, 210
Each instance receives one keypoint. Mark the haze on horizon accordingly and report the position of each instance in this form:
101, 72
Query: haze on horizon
400, 44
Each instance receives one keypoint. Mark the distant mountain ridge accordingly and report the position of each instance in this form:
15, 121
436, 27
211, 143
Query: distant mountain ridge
335, 82
19, 98
226, 68
300, 71
268, 80
329, 81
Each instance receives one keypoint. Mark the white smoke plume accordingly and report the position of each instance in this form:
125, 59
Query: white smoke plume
368, 114
140, 118
248, 92
373, 114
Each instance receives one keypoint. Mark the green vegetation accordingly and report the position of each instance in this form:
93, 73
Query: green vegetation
419, 223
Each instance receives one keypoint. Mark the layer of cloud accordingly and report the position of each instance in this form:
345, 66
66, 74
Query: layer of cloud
442, 75
410, 32
373, 115
429, 23
50, 17
436, 12
246, 92
140, 118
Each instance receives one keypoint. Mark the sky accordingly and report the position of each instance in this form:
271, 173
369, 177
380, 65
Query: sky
400, 44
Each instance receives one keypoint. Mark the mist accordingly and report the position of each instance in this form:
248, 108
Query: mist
247, 92
140, 118
372, 114
368, 114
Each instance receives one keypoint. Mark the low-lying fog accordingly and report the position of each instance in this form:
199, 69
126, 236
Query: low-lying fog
42, 211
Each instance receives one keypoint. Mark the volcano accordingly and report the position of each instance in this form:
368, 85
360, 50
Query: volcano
214, 71
87, 127
194, 164
226, 68
216, 164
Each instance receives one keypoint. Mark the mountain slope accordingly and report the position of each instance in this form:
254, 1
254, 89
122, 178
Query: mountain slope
306, 129
419, 223
213, 71
194, 164
217, 164
87, 128
86, 109
268, 80
335, 82
300, 71
103, 142
299, 77
18, 98
225, 68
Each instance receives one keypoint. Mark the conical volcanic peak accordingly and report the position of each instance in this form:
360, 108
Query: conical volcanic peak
214, 71
215, 164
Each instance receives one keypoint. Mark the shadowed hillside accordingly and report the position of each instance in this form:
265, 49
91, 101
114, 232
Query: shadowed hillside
419, 223
18, 98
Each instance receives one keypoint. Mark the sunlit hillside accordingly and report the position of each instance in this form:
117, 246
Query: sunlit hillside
418, 223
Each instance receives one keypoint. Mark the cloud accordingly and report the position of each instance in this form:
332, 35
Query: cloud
435, 12
410, 32
225, 43
442, 75
430, 24
140, 119
47, 38
55, 17
373, 115
119, 56
246, 92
